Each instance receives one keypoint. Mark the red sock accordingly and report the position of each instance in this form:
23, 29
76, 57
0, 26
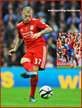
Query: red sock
33, 82
28, 66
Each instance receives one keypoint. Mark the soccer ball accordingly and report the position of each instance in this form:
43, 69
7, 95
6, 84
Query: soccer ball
45, 92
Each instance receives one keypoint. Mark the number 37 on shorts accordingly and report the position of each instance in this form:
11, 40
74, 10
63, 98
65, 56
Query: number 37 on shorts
40, 62
37, 61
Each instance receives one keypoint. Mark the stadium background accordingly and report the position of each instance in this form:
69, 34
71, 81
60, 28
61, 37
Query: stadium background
11, 68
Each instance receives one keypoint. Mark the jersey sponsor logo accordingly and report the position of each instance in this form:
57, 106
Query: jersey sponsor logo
26, 34
31, 27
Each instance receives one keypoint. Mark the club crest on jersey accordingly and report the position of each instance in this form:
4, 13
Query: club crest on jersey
31, 27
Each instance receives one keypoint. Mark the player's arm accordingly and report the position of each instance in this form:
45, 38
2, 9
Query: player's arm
18, 43
65, 48
45, 29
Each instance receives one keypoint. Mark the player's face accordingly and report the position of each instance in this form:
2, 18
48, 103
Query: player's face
27, 17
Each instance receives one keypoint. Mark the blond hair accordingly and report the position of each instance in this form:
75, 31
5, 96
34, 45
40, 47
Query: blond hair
27, 9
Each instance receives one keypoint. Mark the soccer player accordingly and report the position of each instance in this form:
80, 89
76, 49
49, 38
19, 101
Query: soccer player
70, 51
31, 31
64, 51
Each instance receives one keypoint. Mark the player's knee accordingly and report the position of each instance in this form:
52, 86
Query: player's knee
23, 60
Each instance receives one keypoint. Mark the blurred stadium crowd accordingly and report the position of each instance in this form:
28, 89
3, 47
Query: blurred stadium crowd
65, 38
60, 22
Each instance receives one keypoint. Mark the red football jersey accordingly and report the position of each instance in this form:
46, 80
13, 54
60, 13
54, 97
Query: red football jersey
25, 31
71, 43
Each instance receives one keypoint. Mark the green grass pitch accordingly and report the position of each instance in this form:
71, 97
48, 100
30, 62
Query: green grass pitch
67, 67
19, 97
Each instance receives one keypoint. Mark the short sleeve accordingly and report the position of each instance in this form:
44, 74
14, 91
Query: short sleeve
42, 25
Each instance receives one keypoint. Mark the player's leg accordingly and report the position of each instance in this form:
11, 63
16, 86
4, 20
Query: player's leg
76, 61
26, 62
70, 62
33, 82
39, 61
69, 56
65, 56
73, 57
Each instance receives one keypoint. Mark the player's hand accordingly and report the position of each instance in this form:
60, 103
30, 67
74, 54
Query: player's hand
11, 52
36, 35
